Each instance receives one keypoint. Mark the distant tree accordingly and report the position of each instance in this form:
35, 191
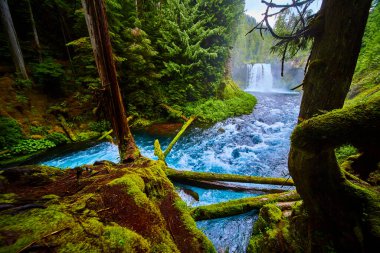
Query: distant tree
6, 19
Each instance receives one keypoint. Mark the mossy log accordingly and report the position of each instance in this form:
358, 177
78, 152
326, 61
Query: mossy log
358, 125
239, 206
177, 175
67, 128
174, 111
105, 135
227, 186
157, 147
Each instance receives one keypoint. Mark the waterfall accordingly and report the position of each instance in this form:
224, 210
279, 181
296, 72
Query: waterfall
259, 77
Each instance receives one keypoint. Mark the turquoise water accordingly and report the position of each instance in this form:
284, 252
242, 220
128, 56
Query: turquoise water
255, 144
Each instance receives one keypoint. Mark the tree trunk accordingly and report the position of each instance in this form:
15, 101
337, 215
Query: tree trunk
336, 206
36, 39
98, 29
9, 28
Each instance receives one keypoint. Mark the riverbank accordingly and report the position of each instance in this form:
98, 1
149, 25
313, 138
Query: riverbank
40, 124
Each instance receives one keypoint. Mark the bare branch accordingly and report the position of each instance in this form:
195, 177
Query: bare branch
298, 3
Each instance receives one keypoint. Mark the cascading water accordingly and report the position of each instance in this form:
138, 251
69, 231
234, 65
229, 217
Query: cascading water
259, 77
255, 144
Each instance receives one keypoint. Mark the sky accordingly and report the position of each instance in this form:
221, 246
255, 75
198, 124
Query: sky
255, 8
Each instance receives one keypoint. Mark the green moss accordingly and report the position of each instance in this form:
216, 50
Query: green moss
141, 123
356, 125
75, 223
233, 102
87, 135
270, 232
8, 198
234, 207
191, 226
121, 239
158, 151
79, 246
365, 93
343, 152
34, 224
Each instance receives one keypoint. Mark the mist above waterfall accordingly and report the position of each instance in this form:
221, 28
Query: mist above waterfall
259, 77
265, 77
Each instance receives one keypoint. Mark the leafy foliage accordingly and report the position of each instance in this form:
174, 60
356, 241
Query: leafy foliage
100, 126
58, 138
49, 74
342, 153
235, 102
30, 146
369, 58
42, 130
10, 131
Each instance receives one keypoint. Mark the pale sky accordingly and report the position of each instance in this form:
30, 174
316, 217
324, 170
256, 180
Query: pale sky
255, 8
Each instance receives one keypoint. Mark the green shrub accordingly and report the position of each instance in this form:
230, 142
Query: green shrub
58, 138
41, 130
214, 110
10, 132
25, 147
49, 74
23, 84
100, 126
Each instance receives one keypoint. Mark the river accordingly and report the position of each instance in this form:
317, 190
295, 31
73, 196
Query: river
256, 144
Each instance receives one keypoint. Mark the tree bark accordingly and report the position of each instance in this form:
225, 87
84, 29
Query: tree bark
9, 28
98, 29
335, 205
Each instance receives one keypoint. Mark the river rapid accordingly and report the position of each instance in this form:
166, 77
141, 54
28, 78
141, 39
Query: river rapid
256, 144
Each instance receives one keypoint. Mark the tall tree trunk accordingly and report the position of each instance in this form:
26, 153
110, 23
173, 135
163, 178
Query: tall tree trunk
334, 202
36, 39
98, 29
6, 19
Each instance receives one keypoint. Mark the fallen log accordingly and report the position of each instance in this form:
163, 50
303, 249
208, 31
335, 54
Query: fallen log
157, 147
226, 186
207, 176
66, 128
105, 135
239, 206
174, 112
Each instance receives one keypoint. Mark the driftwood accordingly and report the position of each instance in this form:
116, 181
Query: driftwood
177, 175
239, 206
157, 147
